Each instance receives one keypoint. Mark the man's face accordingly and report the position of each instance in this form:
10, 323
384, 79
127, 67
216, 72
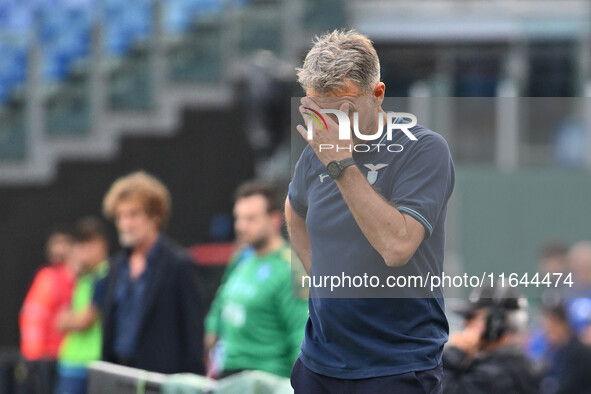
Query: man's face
86, 255
58, 248
133, 223
554, 330
553, 264
368, 106
579, 260
477, 321
253, 224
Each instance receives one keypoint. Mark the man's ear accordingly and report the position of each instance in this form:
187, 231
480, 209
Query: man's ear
379, 92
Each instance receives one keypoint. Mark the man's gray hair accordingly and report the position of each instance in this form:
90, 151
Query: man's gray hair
338, 58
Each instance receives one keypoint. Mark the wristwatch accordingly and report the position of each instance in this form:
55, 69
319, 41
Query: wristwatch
335, 168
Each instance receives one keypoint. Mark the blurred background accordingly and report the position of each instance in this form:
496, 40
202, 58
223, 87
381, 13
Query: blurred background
197, 92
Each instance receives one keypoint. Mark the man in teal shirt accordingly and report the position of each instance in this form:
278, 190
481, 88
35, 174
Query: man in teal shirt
254, 322
83, 341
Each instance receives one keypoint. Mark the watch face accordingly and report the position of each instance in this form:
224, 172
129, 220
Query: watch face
333, 169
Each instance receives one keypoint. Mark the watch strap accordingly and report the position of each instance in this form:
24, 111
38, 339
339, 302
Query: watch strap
349, 161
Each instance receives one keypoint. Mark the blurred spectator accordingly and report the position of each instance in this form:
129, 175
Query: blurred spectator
567, 371
578, 301
151, 308
552, 259
212, 322
486, 356
83, 341
49, 294
258, 323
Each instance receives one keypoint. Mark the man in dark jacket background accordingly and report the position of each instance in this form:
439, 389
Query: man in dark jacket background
567, 367
153, 319
486, 356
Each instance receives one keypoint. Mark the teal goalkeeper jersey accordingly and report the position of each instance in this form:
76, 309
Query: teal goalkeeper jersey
260, 325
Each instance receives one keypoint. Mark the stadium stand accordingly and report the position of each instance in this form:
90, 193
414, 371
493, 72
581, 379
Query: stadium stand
91, 88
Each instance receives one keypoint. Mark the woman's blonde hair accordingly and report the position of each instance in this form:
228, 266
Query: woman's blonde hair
152, 194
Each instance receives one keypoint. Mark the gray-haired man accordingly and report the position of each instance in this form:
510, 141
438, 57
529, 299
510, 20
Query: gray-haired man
379, 210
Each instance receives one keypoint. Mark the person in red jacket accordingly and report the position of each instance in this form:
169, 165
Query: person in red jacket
49, 294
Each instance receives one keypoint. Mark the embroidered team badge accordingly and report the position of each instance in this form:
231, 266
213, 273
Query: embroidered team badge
372, 175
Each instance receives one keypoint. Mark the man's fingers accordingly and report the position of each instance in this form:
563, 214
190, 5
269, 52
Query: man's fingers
305, 113
303, 131
308, 102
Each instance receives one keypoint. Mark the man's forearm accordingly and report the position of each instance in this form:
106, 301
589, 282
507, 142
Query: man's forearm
298, 234
301, 244
382, 224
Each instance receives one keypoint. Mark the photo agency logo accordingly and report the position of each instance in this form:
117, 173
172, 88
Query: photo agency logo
402, 121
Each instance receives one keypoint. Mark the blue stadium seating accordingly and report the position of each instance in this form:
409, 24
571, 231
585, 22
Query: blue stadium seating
64, 33
63, 28
180, 13
13, 64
